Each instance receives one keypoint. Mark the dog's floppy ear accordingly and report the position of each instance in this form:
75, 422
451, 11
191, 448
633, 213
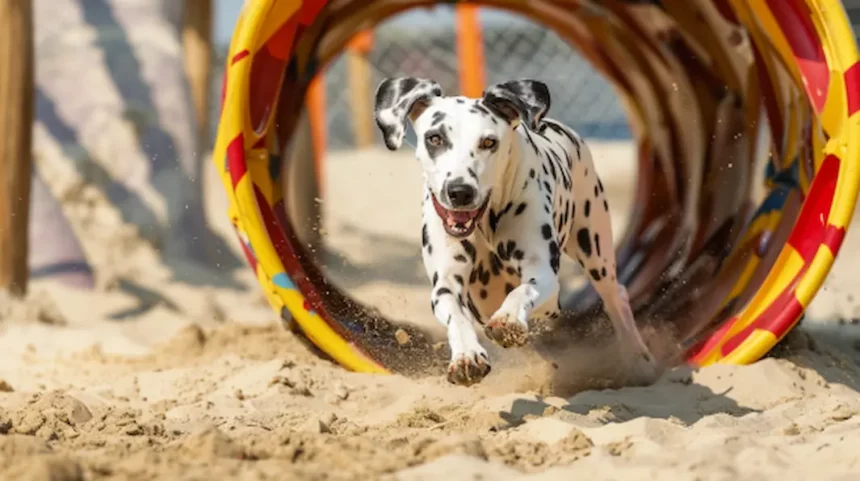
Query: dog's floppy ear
519, 100
397, 98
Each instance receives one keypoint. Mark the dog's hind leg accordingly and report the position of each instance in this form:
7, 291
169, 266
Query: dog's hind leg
591, 244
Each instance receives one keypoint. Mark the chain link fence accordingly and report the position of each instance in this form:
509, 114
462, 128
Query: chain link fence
422, 43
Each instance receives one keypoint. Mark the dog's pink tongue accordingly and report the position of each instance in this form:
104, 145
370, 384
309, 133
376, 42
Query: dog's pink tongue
460, 217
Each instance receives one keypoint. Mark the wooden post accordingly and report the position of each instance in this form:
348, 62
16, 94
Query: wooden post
360, 91
315, 104
470, 50
16, 142
197, 46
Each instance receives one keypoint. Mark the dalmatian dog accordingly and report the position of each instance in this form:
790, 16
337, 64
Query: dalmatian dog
506, 191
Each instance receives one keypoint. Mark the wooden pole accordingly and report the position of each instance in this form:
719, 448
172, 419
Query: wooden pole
16, 142
197, 46
360, 90
315, 104
470, 50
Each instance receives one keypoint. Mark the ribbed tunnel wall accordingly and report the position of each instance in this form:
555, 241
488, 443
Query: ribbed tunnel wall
715, 91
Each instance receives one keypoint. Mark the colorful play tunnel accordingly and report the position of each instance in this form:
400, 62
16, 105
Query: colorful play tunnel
745, 117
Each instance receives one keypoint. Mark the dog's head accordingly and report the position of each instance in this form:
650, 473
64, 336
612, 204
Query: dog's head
464, 145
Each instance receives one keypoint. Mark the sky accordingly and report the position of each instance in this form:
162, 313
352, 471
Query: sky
226, 12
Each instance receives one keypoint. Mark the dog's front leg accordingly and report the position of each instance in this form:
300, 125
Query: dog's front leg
448, 263
509, 324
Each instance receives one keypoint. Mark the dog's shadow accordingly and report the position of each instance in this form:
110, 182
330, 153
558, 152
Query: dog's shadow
673, 398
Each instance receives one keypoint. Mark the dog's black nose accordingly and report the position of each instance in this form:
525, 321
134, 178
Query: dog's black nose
461, 194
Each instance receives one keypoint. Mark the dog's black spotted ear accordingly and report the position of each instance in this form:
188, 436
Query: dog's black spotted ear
399, 98
519, 100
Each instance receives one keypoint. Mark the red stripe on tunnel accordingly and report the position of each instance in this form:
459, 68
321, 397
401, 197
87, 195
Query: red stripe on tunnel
778, 318
852, 88
794, 19
236, 159
811, 227
239, 56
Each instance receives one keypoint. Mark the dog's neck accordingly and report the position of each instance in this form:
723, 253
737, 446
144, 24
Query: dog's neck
509, 187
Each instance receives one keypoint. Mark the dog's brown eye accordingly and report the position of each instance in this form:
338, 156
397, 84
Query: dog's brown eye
488, 143
434, 140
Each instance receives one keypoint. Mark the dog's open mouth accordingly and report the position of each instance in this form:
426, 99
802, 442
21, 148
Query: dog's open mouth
459, 223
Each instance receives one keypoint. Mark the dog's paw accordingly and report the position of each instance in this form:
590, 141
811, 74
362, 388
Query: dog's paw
468, 368
506, 330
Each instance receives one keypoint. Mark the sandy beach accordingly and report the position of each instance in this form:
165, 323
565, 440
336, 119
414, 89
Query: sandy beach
168, 371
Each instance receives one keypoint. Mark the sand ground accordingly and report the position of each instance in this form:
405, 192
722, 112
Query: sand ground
165, 374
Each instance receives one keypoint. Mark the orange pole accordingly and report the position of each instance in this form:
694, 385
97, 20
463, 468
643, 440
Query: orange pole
470, 50
315, 103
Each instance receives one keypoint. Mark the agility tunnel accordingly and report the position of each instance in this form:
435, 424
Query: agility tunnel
716, 91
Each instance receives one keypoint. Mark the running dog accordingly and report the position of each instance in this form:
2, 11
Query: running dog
506, 192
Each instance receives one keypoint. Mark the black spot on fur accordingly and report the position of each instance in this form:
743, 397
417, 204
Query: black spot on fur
483, 293
596, 191
469, 248
458, 278
460, 258
473, 276
508, 288
495, 264
483, 110
442, 291
587, 208
597, 243
554, 256
594, 274
520, 209
603, 271
552, 168
483, 274
495, 218
584, 240
600, 185
566, 212
473, 309
559, 129
425, 236
606, 206
546, 231
435, 278
532, 173
531, 142
511, 271
472, 174
548, 188
461, 101
438, 117
518, 255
